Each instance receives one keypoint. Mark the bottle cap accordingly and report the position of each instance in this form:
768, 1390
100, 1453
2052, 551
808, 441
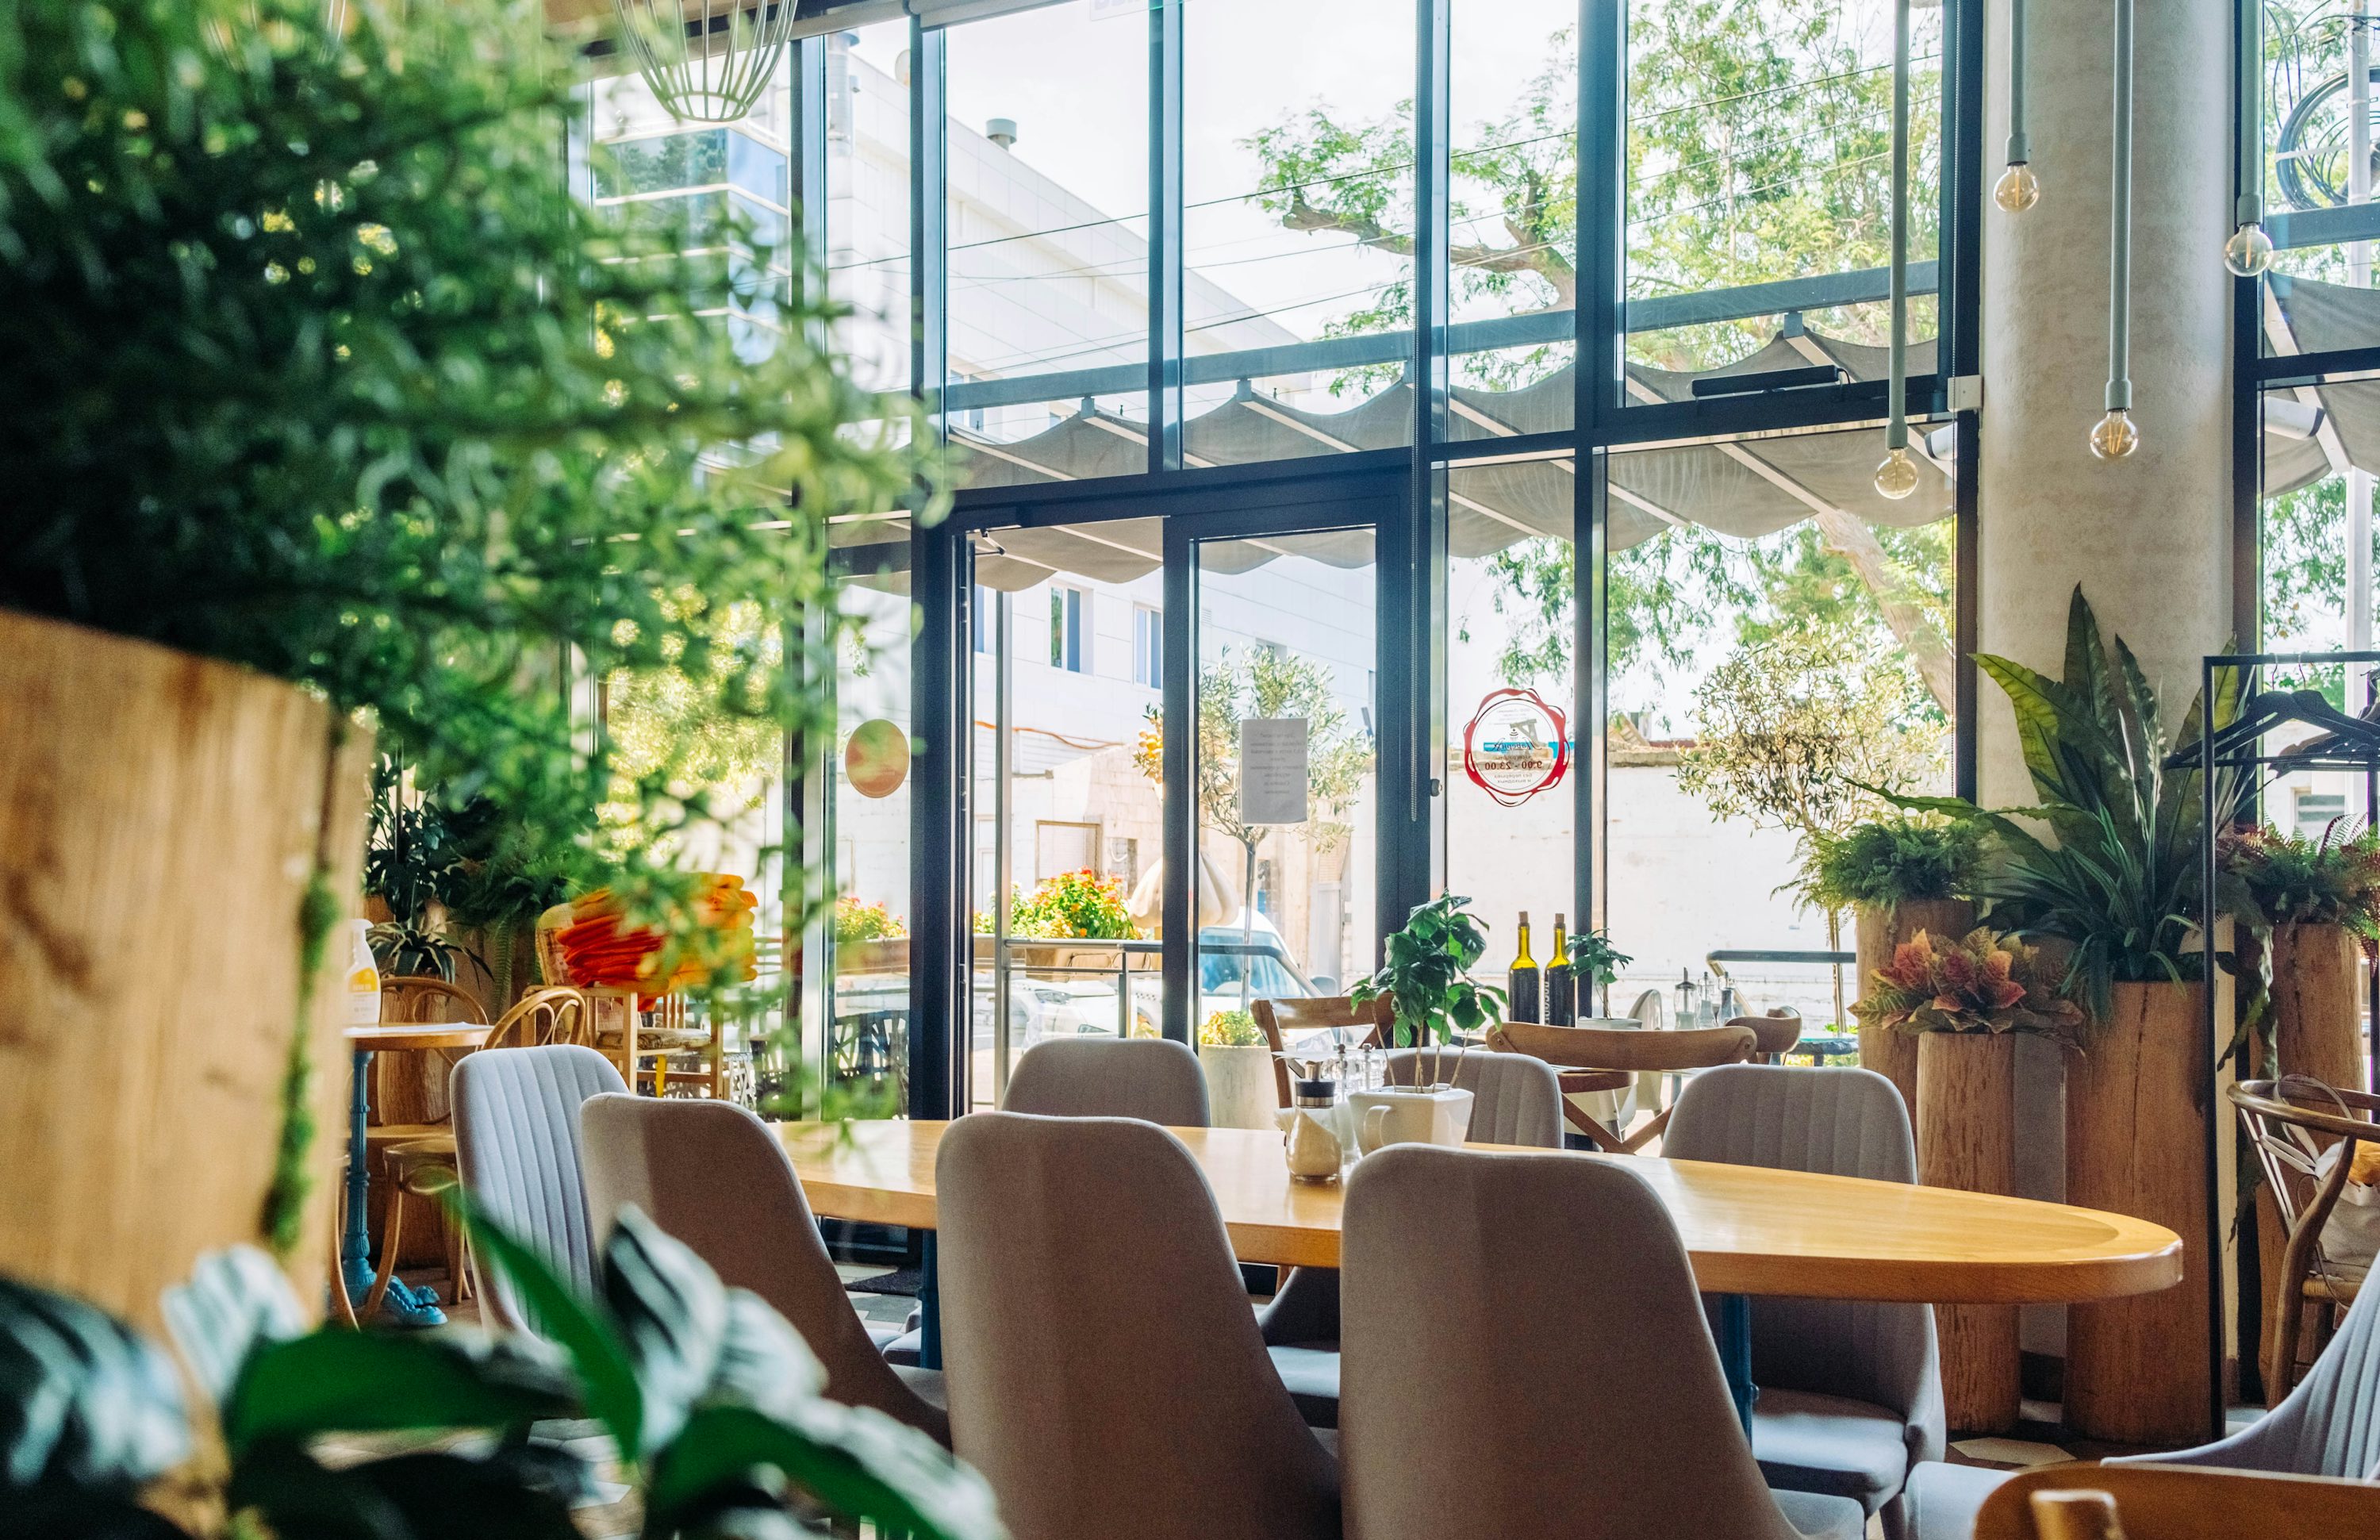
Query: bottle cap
1524, 916
1558, 919
1327, 1090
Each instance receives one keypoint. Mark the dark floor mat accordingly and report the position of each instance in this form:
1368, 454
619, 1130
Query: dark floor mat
900, 1280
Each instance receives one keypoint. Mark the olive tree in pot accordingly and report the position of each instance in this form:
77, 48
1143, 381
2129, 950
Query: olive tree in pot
331, 415
1960, 1003
2114, 880
1432, 998
1901, 877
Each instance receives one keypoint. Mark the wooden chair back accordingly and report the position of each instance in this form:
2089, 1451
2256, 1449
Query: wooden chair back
410, 1088
2292, 1121
2175, 1503
1277, 1018
557, 1013
1604, 1048
1773, 1036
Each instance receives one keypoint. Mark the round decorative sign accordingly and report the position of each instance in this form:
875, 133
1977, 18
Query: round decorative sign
876, 760
1517, 744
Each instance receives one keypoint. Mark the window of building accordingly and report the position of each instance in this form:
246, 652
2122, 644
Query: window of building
1149, 647
1070, 634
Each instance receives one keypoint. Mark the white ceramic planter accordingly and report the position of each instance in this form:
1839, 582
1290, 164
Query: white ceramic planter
1406, 1115
1240, 1088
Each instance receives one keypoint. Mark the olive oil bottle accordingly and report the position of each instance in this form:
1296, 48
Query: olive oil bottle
1520, 988
1562, 983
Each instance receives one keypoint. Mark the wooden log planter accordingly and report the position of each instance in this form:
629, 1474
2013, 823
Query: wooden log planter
2315, 1010
162, 819
2137, 1369
1966, 1138
1878, 932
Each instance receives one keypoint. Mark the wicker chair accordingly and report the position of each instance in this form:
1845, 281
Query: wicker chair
2292, 1122
618, 1030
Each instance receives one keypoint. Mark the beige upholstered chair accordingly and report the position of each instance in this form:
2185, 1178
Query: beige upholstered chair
1277, 1018
1153, 1079
1144, 1406
1515, 1100
1850, 1393
517, 1149
1595, 1048
1526, 1357
713, 1175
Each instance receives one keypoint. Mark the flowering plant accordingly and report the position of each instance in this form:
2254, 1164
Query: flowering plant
857, 920
1086, 903
1230, 1029
1984, 983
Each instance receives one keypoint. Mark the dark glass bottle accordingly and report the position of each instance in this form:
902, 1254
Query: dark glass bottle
1562, 983
1521, 988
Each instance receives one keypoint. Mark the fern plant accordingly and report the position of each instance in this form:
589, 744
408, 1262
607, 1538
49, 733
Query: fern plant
1887, 861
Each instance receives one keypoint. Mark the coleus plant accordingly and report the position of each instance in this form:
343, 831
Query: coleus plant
712, 1401
1984, 982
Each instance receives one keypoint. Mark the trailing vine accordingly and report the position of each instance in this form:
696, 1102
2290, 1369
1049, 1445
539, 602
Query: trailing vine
318, 915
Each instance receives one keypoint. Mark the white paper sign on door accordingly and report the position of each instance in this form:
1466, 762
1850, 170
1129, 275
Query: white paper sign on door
1273, 770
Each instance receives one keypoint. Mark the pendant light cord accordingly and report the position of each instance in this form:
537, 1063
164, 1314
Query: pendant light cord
2120, 236
1896, 432
2020, 150
2250, 206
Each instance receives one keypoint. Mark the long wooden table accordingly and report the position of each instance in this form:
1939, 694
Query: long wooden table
1748, 1229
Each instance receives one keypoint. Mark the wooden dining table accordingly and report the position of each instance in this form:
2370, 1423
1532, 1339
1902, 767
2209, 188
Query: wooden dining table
1747, 1230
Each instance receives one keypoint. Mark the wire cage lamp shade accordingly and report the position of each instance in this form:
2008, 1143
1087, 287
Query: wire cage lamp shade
706, 61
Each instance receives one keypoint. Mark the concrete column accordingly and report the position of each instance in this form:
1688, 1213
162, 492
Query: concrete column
2148, 536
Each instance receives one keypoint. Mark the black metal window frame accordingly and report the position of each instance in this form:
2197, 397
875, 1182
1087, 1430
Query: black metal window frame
1414, 549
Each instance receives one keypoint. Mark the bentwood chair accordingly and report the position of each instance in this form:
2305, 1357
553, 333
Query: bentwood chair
1773, 1036
616, 1026
2306, 1134
2329, 1425
516, 1151
1624, 1052
1146, 1407
712, 1174
2146, 1503
1153, 1079
1277, 1018
1515, 1100
1851, 1394
1481, 1402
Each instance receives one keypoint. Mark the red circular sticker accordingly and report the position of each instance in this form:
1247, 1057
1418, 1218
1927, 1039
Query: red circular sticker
1517, 744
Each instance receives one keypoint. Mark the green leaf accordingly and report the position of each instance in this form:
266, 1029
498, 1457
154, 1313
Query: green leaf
607, 1375
673, 1311
763, 1362
235, 1301
855, 1461
86, 1403
515, 1493
337, 1381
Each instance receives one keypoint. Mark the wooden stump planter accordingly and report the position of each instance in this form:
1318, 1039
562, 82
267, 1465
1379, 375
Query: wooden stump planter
1878, 931
162, 817
2136, 1369
2315, 1010
1966, 1138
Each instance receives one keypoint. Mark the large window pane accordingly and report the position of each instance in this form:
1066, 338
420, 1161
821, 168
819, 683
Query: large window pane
868, 823
1048, 204
1759, 150
2310, 179
1515, 209
867, 198
1775, 629
1511, 740
1298, 166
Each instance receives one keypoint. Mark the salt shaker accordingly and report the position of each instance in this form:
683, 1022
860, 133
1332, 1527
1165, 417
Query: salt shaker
1312, 1144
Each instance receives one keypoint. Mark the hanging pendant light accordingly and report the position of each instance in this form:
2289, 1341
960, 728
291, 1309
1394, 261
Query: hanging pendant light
706, 61
1897, 477
2115, 435
2249, 252
2017, 189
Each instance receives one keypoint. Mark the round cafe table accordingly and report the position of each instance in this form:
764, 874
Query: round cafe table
1748, 1229
402, 1303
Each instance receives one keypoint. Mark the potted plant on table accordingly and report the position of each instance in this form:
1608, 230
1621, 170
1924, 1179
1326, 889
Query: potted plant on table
1432, 1000
1961, 1005
1900, 876
2116, 886
1240, 1088
332, 414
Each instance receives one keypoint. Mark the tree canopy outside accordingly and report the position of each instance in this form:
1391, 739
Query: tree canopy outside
1758, 149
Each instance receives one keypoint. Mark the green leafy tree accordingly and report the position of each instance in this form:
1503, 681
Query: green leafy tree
1758, 149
